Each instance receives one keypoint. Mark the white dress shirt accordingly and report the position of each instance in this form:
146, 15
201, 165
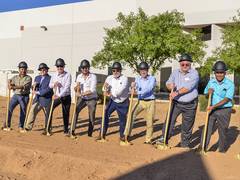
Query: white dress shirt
65, 80
118, 88
88, 84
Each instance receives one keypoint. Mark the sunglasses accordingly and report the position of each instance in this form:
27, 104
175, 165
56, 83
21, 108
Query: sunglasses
185, 64
84, 67
219, 72
115, 70
59, 66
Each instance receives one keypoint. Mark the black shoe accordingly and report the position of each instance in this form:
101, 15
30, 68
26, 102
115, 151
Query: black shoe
90, 134
44, 132
99, 138
148, 142
198, 149
65, 132
122, 138
222, 150
185, 146
49, 133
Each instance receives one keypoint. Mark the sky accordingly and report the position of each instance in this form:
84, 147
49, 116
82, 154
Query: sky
13, 5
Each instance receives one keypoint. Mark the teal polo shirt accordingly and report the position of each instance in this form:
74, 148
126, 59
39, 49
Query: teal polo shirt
224, 89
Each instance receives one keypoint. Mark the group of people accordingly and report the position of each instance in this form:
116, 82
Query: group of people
51, 91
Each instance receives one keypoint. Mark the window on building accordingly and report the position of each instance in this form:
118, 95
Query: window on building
237, 88
165, 72
203, 81
206, 33
109, 70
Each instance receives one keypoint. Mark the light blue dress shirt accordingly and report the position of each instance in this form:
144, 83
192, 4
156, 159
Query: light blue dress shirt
224, 89
189, 81
145, 87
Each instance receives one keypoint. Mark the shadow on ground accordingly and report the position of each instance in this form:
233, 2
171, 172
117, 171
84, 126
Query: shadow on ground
184, 166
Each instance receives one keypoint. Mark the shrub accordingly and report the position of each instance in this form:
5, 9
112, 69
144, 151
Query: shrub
100, 93
203, 102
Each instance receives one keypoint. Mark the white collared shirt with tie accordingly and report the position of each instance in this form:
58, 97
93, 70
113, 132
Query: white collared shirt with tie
88, 84
65, 81
118, 88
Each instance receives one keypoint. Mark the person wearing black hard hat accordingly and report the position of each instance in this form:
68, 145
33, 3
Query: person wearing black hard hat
43, 95
85, 88
116, 87
144, 87
61, 84
21, 85
222, 90
183, 84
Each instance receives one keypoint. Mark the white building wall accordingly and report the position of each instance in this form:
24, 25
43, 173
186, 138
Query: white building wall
75, 31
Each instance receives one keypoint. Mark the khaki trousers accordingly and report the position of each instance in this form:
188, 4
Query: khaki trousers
35, 108
149, 107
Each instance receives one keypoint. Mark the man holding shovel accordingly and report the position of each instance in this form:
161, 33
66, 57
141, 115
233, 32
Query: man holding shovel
43, 95
222, 90
183, 83
21, 85
116, 87
144, 86
61, 82
86, 90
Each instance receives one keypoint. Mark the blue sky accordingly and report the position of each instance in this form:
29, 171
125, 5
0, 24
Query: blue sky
12, 5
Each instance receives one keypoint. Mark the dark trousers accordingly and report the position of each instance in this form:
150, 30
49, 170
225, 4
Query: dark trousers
122, 110
66, 104
222, 117
91, 104
188, 111
22, 101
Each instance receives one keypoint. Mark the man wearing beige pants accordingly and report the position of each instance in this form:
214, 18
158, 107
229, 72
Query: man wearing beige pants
43, 95
144, 86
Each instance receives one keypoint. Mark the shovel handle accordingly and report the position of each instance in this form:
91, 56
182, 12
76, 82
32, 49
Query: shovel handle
206, 123
103, 112
167, 120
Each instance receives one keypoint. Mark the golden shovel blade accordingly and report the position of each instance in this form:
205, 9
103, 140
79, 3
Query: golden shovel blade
125, 143
238, 156
73, 137
162, 146
102, 140
7, 129
48, 134
23, 131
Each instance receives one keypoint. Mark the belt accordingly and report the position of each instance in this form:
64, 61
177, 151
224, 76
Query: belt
90, 99
22, 94
146, 99
220, 108
120, 102
185, 103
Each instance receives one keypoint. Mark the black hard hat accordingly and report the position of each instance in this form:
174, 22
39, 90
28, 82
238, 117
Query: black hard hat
143, 65
185, 57
42, 66
117, 65
219, 66
84, 63
60, 62
23, 64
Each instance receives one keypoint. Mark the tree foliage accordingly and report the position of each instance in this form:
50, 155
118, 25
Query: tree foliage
153, 39
229, 51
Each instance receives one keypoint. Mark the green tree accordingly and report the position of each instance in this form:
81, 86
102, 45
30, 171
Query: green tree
153, 39
229, 51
